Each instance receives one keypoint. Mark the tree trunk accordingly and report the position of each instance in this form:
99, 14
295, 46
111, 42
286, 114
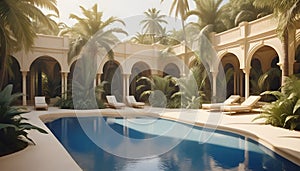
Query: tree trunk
3, 58
285, 64
185, 43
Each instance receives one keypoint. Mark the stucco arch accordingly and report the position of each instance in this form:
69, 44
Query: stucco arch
172, 69
104, 61
129, 62
252, 51
44, 56
178, 63
235, 52
74, 60
18, 61
142, 66
233, 60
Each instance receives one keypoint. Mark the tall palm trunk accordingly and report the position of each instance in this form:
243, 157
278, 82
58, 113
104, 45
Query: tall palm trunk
3, 57
285, 44
185, 42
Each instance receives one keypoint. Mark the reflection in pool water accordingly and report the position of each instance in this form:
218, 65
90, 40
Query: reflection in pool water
223, 151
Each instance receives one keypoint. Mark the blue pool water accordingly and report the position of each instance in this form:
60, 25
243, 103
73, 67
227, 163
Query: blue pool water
222, 151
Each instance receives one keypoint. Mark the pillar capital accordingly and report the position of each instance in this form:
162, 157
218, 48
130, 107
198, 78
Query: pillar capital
214, 73
126, 74
24, 100
246, 70
24, 73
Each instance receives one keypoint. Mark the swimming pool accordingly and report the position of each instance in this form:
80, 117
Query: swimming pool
222, 151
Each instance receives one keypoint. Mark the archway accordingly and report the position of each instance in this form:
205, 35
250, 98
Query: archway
265, 74
70, 75
13, 76
234, 75
112, 74
139, 69
171, 69
45, 78
297, 61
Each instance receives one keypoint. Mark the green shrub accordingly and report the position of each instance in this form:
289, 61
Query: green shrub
65, 103
84, 104
13, 128
284, 112
160, 90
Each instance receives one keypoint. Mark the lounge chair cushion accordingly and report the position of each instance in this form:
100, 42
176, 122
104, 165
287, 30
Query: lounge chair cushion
112, 102
40, 102
228, 101
133, 103
247, 105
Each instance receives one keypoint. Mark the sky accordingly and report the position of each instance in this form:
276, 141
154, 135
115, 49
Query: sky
117, 8
130, 11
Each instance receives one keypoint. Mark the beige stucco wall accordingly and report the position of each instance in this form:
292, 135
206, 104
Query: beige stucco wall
242, 41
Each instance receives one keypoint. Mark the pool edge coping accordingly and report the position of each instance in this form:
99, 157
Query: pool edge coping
59, 113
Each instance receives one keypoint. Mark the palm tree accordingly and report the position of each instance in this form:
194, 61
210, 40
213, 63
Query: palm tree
209, 13
201, 76
88, 26
41, 28
56, 28
141, 38
16, 29
161, 89
181, 8
189, 93
152, 22
287, 13
237, 11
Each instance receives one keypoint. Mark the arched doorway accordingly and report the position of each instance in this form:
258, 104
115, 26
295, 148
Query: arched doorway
139, 69
112, 74
13, 76
45, 78
297, 61
265, 74
70, 75
234, 76
171, 69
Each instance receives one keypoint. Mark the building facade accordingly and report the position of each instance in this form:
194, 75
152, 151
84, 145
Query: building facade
247, 46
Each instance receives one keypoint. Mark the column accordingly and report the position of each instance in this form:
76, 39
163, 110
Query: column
241, 83
62, 85
214, 86
234, 83
32, 85
66, 84
125, 86
247, 81
24, 74
98, 79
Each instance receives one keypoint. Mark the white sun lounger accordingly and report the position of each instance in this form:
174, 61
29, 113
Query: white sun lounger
40, 103
246, 106
133, 103
217, 106
112, 102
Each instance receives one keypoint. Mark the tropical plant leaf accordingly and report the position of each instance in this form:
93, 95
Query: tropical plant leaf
140, 87
3, 126
145, 93
296, 107
277, 94
11, 121
28, 126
